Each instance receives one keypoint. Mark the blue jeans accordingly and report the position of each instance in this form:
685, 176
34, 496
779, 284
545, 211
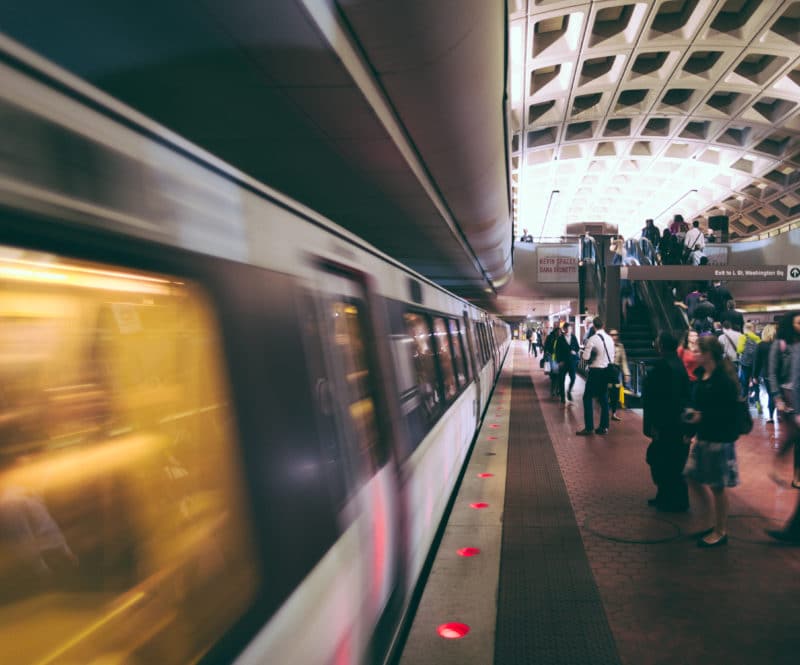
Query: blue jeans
596, 386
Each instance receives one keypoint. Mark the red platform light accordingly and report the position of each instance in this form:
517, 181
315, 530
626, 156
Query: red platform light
494, 426
468, 551
485, 475
478, 505
492, 438
453, 631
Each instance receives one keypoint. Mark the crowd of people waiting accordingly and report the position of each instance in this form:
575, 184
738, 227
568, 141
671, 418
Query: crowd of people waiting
697, 400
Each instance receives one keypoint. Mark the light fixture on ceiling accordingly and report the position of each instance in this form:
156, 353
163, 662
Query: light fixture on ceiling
553, 195
673, 204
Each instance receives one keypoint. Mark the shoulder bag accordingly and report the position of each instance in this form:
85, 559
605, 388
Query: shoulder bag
613, 370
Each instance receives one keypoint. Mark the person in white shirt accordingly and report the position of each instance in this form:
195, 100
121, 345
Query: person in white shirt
599, 351
695, 243
730, 342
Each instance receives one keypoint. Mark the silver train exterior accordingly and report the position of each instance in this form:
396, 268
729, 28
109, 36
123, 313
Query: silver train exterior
245, 423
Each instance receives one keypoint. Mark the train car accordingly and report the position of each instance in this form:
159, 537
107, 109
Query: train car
229, 429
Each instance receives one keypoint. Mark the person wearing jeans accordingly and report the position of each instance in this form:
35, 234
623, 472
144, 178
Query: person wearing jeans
599, 351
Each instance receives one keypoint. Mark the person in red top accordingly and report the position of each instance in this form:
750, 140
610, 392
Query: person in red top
689, 353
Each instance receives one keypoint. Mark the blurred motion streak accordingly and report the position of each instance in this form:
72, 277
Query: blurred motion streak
123, 531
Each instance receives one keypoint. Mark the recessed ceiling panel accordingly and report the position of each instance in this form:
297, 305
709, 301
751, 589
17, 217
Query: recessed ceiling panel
696, 103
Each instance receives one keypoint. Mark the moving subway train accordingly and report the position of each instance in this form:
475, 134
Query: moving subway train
228, 428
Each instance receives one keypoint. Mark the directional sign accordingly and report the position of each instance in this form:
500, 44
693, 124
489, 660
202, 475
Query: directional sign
710, 273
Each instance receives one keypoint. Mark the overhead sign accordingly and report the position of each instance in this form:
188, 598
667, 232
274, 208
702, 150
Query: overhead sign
793, 272
557, 263
709, 273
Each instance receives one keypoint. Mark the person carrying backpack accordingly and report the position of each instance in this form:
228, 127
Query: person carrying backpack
746, 350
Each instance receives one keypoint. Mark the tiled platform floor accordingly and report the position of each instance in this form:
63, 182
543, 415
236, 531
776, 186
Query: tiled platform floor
669, 601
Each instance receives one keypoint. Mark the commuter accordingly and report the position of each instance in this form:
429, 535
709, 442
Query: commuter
693, 244
761, 372
623, 376
538, 342
599, 351
550, 359
617, 248
665, 395
678, 228
730, 342
526, 237
529, 337
665, 247
703, 315
651, 232
691, 300
571, 341
564, 361
719, 296
587, 246
784, 364
626, 296
730, 314
712, 460
689, 354
786, 349
746, 349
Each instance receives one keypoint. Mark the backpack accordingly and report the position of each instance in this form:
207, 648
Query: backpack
749, 353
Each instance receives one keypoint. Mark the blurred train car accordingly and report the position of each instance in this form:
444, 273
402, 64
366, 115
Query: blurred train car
229, 429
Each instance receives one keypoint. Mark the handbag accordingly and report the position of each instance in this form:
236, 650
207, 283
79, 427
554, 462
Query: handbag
612, 370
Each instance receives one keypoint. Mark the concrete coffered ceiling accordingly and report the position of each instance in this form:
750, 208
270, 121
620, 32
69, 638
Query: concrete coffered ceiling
633, 109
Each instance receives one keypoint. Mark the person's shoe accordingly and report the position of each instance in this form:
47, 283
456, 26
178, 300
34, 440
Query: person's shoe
614, 416
584, 432
713, 543
783, 536
770, 422
796, 484
601, 430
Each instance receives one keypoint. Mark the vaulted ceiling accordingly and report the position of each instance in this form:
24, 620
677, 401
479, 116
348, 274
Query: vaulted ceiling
626, 110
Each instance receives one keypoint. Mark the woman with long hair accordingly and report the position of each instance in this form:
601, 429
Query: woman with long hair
689, 353
712, 460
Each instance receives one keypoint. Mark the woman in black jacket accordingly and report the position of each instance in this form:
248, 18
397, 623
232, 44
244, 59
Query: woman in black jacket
712, 460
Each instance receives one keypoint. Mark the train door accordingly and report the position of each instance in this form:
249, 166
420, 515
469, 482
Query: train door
472, 354
356, 397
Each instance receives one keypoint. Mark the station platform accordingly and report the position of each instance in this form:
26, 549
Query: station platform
574, 566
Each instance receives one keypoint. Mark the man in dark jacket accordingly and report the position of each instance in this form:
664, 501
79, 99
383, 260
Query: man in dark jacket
550, 358
665, 394
563, 355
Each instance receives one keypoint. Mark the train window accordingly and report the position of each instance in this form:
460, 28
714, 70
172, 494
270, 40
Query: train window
484, 343
445, 358
459, 357
424, 362
123, 529
346, 318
